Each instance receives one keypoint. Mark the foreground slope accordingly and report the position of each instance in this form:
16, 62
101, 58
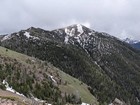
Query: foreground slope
109, 66
28, 76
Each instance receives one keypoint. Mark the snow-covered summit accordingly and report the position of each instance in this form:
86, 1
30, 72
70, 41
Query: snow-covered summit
77, 32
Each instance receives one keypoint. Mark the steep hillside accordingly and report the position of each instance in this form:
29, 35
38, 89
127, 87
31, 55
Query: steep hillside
109, 66
38, 79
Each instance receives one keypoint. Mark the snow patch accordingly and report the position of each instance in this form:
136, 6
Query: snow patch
27, 34
80, 29
38, 100
67, 31
70, 32
66, 39
52, 78
17, 34
7, 37
90, 33
8, 88
84, 103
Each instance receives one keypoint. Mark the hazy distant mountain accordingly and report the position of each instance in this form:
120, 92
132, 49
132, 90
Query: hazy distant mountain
110, 67
133, 43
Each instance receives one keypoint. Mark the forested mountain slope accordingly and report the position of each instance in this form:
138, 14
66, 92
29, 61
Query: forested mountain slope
109, 66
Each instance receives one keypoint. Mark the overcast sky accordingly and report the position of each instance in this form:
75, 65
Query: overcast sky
120, 18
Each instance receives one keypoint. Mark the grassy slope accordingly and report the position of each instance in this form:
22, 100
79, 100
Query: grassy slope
73, 85
13, 54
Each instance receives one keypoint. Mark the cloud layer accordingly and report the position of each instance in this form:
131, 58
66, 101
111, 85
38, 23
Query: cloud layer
120, 18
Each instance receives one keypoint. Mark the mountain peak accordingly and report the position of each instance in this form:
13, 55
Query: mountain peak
76, 32
77, 29
77, 25
31, 28
70, 30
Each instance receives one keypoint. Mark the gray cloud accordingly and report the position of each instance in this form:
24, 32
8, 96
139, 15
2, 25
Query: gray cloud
120, 18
